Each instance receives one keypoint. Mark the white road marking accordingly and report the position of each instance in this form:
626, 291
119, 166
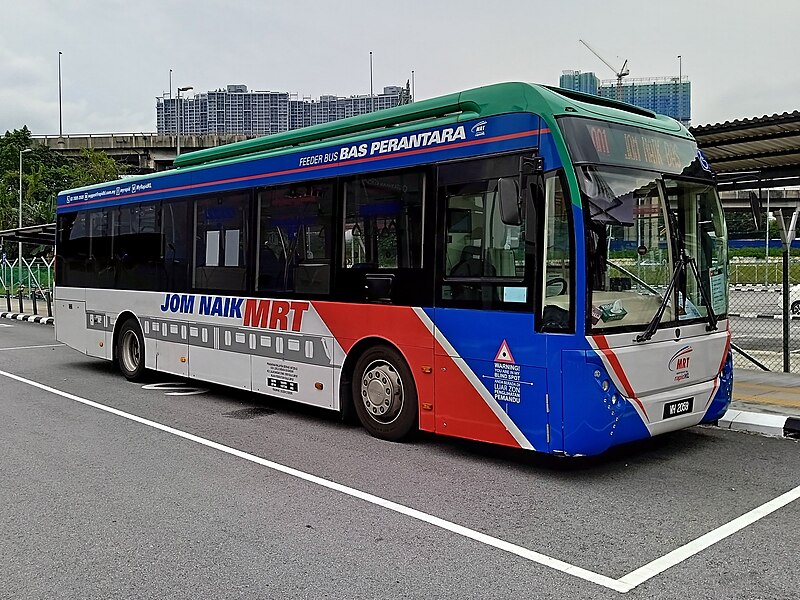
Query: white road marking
623, 584
30, 347
5, 325
477, 536
678, 555
175, 388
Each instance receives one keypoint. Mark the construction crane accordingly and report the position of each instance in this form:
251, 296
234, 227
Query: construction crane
623, 71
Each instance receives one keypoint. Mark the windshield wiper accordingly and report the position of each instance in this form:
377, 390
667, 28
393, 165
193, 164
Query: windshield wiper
683, 261
712, 317
652, 327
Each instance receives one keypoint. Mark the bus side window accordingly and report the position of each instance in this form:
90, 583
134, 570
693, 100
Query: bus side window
383, 221
479, 245
220, 242
176, 245
294, 245
557, 309
73, 250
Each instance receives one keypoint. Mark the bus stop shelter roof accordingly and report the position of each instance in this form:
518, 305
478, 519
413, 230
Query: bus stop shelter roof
42, 235
753, 153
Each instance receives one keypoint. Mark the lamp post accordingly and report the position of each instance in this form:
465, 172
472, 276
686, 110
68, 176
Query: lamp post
19, 265
60, 126
680, 89
178, 136
371, 97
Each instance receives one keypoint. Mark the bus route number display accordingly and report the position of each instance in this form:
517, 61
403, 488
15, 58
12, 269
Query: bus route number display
637, 148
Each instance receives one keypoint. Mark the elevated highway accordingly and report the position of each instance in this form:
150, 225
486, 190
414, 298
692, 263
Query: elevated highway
144, 152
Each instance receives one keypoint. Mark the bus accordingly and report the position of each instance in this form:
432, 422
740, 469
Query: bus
514, 264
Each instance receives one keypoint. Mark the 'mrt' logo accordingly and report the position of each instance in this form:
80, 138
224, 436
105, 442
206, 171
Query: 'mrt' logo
479, 129
679, 363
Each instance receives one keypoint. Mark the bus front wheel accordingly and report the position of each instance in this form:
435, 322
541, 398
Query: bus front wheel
384, 394
130, 350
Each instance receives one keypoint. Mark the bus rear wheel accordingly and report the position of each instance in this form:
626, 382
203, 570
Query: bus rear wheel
384, 394
130, 350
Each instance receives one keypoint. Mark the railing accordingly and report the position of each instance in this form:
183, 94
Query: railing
37, 275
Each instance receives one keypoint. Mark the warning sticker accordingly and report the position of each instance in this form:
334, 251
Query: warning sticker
507, 380
504, 354
282, 378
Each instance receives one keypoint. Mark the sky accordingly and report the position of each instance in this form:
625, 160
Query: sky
741, 56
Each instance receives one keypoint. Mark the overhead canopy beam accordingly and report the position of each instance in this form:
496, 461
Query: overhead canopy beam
757, 153
42, 235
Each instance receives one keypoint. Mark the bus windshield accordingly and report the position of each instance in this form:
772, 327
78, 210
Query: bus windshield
637, 224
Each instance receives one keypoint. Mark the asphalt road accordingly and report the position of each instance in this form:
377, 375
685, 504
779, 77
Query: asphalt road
95, 504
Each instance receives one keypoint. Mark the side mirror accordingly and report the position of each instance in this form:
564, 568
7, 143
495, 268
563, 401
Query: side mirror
508, 197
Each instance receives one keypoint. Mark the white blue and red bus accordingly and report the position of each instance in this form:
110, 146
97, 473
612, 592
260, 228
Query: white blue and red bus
515, 264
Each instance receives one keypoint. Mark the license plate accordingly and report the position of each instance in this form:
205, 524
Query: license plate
678, 407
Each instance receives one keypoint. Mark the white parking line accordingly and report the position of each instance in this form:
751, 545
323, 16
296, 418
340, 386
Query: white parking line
30, 347
678, 555
623, 584
535, 557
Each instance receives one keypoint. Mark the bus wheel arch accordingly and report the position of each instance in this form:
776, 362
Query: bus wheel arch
379, 389
128, 347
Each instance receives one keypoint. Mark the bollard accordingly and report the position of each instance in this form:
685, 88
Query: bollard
19, 297
33, 301
8, 299
49, 303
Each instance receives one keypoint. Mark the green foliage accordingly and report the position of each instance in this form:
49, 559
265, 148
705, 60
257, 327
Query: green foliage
45, 172
759, 252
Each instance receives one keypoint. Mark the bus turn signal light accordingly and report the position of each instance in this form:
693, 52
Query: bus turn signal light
427, 369
318, 385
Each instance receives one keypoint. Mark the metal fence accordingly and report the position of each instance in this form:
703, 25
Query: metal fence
763, 336
27, 287
35, 274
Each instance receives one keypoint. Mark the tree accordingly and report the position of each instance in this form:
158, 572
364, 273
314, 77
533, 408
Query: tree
45, 173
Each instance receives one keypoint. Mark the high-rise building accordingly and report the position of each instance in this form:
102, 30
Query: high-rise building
663, 95
237, 110
588, 83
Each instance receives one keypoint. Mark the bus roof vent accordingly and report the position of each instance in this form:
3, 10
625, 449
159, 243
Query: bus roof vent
600, 101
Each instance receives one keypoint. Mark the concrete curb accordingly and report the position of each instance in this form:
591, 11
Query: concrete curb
762, 316
754, 287
765, 424
30, 318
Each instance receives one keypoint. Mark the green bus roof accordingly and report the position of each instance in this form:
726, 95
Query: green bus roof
476, 103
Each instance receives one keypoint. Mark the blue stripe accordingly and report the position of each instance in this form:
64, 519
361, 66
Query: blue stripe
499, 134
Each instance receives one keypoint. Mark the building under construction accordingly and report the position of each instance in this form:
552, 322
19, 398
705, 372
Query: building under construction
670, 96
664, 95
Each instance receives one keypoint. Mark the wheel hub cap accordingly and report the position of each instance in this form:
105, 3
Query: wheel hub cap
382, 391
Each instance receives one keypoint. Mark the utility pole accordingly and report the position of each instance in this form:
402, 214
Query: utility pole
60, 123
178, 136
371, 97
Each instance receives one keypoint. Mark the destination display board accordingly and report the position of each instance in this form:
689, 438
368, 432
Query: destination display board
606, 143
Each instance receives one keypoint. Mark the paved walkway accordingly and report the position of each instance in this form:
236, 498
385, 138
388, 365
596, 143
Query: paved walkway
27, 313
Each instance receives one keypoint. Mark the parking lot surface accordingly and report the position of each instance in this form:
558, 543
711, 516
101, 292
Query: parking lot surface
118, 489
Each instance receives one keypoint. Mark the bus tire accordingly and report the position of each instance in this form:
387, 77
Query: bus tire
130, 350
384, 394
